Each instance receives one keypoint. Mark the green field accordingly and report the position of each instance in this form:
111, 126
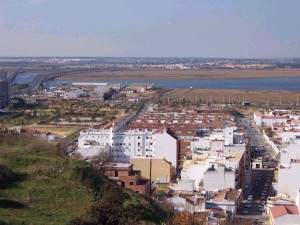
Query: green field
43, 188
38, 186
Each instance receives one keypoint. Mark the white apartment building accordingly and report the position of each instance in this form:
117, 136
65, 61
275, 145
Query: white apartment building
268, 120
55, 93
288, 182
128, 143
218, 177
199, 168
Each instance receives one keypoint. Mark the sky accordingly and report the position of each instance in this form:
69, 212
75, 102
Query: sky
150, 28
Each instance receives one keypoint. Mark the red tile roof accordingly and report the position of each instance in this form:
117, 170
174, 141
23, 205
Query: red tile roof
258, 114
282, 210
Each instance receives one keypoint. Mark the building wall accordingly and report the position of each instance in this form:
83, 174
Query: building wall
272, 121
126, 144
129, 179
161, 170
166, 146
257, 119
218, 179
228, 135
287, 184
195, 172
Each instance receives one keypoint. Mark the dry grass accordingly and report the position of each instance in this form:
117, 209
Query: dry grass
63, 131
198, 74
225, 96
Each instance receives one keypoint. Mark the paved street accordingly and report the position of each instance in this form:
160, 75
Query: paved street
261, 179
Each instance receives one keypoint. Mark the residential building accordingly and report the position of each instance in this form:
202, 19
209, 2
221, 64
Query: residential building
284, 215
215, 170
268, 120
126, 177
185, 202
286, 184
128, 143
162, 171
227, 199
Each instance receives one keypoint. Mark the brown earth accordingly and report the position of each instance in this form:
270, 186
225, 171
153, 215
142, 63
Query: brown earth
156, 74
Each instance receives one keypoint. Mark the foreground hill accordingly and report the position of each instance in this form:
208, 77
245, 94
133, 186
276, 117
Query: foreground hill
37, 186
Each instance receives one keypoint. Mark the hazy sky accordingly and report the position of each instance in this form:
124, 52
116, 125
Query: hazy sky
167, 28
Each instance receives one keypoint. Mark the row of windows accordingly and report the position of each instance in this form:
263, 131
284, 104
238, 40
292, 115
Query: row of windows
120, 156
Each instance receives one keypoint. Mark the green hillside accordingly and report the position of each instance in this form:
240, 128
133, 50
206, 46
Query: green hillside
37, 186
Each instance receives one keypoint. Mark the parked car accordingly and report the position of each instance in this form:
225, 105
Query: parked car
260, 208
247, 205
245, 210
250, 198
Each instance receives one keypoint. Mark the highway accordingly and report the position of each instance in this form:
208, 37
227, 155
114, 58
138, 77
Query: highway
41, 78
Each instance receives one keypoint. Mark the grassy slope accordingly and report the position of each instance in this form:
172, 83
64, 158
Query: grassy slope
45, 188
48, 185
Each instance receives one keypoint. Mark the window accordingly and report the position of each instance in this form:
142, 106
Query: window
131, 183
139, 137
129, 144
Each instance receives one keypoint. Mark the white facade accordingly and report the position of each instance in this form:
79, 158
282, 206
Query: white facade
57, 93
219, 178
288, 180
195, 172
268, 120
292, 152
125, 144
166, 146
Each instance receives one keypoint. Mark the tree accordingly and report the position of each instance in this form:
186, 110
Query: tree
110, 209
101, 160
269, 132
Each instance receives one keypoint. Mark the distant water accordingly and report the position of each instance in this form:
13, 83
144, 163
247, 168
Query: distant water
244, 84
25, 78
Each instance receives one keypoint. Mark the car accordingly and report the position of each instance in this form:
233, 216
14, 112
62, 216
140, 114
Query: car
260, 208
247, 205
250, 198
245, 210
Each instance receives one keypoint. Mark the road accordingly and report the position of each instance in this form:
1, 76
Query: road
257, 139
261, 179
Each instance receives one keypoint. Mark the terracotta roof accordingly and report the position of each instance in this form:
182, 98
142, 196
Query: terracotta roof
274, 117
295, 121
159, 130
282, 210
258, 114
227, 194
